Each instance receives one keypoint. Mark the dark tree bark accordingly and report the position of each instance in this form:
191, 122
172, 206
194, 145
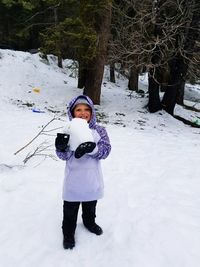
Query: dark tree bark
60, 65
169, 98
81, 76
94, 76
193, 32
112, 73
191, 37
95, 67
179, 64
180, 93
133, 79
154, 103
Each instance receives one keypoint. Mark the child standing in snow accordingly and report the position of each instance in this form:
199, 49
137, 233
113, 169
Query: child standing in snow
83, 182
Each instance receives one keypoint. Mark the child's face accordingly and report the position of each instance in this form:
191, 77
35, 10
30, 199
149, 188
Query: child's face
82, 111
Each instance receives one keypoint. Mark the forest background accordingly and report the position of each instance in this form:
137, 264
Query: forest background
158, 37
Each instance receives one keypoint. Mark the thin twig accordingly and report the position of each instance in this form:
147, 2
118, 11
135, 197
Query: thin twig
34, 137
39, 151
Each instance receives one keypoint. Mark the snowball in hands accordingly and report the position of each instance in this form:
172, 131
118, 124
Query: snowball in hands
79, 132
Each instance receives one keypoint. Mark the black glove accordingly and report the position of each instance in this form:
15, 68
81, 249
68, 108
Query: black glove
61, 141
84, 148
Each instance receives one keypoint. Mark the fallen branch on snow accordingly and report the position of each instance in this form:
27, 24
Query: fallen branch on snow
191, 108
192, 124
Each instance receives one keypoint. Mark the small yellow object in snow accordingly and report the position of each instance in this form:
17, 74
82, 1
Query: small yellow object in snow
36, 90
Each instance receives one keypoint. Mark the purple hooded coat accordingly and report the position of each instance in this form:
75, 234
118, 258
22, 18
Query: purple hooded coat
83, 179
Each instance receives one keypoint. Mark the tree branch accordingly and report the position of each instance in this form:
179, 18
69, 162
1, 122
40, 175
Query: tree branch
187, 122
42, 131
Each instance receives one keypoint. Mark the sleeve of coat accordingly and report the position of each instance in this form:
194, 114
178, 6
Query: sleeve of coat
103, 145
64, 155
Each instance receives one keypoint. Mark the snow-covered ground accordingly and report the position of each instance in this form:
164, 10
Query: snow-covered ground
150, 213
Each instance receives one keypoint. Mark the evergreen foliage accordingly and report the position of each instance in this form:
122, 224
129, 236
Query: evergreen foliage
22, 20
70, 35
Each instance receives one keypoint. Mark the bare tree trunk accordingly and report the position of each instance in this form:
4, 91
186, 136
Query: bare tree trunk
60, 65
133, 79
81, 75
154, 103
179, 66
169, 98
191, 37
94, 76
112, 73
180, 93
95, 68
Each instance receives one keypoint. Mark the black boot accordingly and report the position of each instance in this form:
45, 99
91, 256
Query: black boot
89, 214
95, 229
68, 242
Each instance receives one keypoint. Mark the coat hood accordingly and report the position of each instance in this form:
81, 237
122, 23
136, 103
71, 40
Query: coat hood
89, 102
